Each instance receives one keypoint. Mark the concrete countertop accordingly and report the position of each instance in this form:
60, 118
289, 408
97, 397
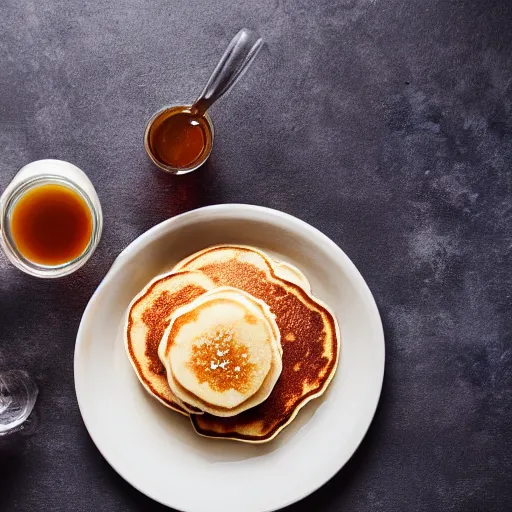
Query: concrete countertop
385, 124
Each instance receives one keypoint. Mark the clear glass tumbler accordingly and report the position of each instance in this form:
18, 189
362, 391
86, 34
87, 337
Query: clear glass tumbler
18, 394
36, 174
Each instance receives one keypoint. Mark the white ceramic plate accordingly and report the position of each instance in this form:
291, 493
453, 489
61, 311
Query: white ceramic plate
156, 450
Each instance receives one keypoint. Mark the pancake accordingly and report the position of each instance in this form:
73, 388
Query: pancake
288, 272
212, 342
309, 337
194, 322
282, 269
148, 316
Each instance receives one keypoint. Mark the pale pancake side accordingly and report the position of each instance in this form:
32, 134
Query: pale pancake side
255, 309
148, 317
309, 336
216, 353
289, 272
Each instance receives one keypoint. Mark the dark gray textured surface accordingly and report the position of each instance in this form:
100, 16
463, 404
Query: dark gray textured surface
386, 124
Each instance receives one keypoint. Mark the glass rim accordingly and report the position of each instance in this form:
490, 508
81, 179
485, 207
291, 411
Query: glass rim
169, 168
9, 245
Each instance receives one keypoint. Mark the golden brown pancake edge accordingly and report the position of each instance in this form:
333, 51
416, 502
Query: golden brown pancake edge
169, 401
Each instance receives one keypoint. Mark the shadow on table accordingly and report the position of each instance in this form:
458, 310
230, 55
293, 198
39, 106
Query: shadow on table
162, 195
12, 464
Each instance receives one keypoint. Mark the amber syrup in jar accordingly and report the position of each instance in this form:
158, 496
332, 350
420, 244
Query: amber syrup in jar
179, 140
51, 225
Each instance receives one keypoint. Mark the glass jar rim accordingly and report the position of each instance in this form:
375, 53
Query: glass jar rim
7, 239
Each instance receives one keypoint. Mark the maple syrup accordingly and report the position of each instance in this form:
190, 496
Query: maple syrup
51, 224
177, 139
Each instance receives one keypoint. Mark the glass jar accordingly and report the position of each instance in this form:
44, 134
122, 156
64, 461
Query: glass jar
161, 116
36, 174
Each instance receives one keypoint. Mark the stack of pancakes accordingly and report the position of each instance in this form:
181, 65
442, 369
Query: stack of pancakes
235, 340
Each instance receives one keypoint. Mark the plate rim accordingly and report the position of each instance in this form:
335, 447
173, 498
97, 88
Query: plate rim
227, 208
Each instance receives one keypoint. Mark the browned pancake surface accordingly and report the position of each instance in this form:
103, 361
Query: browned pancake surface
154, 308
309, 340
